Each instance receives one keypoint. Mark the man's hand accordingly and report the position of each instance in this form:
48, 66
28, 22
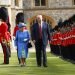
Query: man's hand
34, 41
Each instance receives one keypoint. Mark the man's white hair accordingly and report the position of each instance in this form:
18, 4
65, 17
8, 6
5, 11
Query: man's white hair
39, 16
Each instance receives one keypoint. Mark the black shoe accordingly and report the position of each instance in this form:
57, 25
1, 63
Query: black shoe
45, 66
6, 63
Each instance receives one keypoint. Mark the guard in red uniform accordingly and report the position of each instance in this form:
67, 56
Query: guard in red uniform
73, 42
58, 37
4, 36
64, 45
56, 40
54, 43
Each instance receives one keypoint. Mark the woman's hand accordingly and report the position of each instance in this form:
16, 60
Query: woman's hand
25, 40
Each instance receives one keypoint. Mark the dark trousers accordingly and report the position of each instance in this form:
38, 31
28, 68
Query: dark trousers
73, 52
64, 53
40, 53
52, 48
6, 53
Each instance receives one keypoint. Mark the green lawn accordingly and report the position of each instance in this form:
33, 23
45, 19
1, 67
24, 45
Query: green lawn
56, 66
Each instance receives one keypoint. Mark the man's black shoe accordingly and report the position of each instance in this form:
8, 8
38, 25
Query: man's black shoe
45, 66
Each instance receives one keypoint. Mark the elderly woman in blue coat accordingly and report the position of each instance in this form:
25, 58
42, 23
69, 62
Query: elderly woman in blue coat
22, 39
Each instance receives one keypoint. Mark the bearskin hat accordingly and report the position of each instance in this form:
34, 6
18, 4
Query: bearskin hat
19, 17
56, 28
3, 14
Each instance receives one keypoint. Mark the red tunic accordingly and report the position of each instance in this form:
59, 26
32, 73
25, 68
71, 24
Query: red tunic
15, 29
70, 40
73, 36
3, 30
58, 37
64, 41
54, 39
0, 34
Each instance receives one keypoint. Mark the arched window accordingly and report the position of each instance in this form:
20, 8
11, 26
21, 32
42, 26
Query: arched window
40, 2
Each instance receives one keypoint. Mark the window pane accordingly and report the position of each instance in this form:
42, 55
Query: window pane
43, 2
16, 3
74, 2
37, 2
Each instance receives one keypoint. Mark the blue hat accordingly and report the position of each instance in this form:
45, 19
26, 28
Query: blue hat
21, 25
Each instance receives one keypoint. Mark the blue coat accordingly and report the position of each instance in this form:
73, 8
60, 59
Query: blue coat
21, 43
45, 32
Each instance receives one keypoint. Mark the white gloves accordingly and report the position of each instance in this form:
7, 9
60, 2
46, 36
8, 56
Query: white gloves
25, 40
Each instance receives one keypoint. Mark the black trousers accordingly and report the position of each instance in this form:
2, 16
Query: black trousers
73, 52
52, 48
40, 53
6, 53
64, 50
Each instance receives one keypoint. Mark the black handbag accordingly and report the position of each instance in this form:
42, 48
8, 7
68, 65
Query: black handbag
29, 45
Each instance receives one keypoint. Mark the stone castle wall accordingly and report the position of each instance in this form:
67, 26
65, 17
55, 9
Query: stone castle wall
60, 3
55, 8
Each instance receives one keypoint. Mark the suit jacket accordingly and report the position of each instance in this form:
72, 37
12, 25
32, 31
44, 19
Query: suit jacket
45, 32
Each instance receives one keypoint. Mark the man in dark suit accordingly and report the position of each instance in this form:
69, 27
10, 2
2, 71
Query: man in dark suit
40, 36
